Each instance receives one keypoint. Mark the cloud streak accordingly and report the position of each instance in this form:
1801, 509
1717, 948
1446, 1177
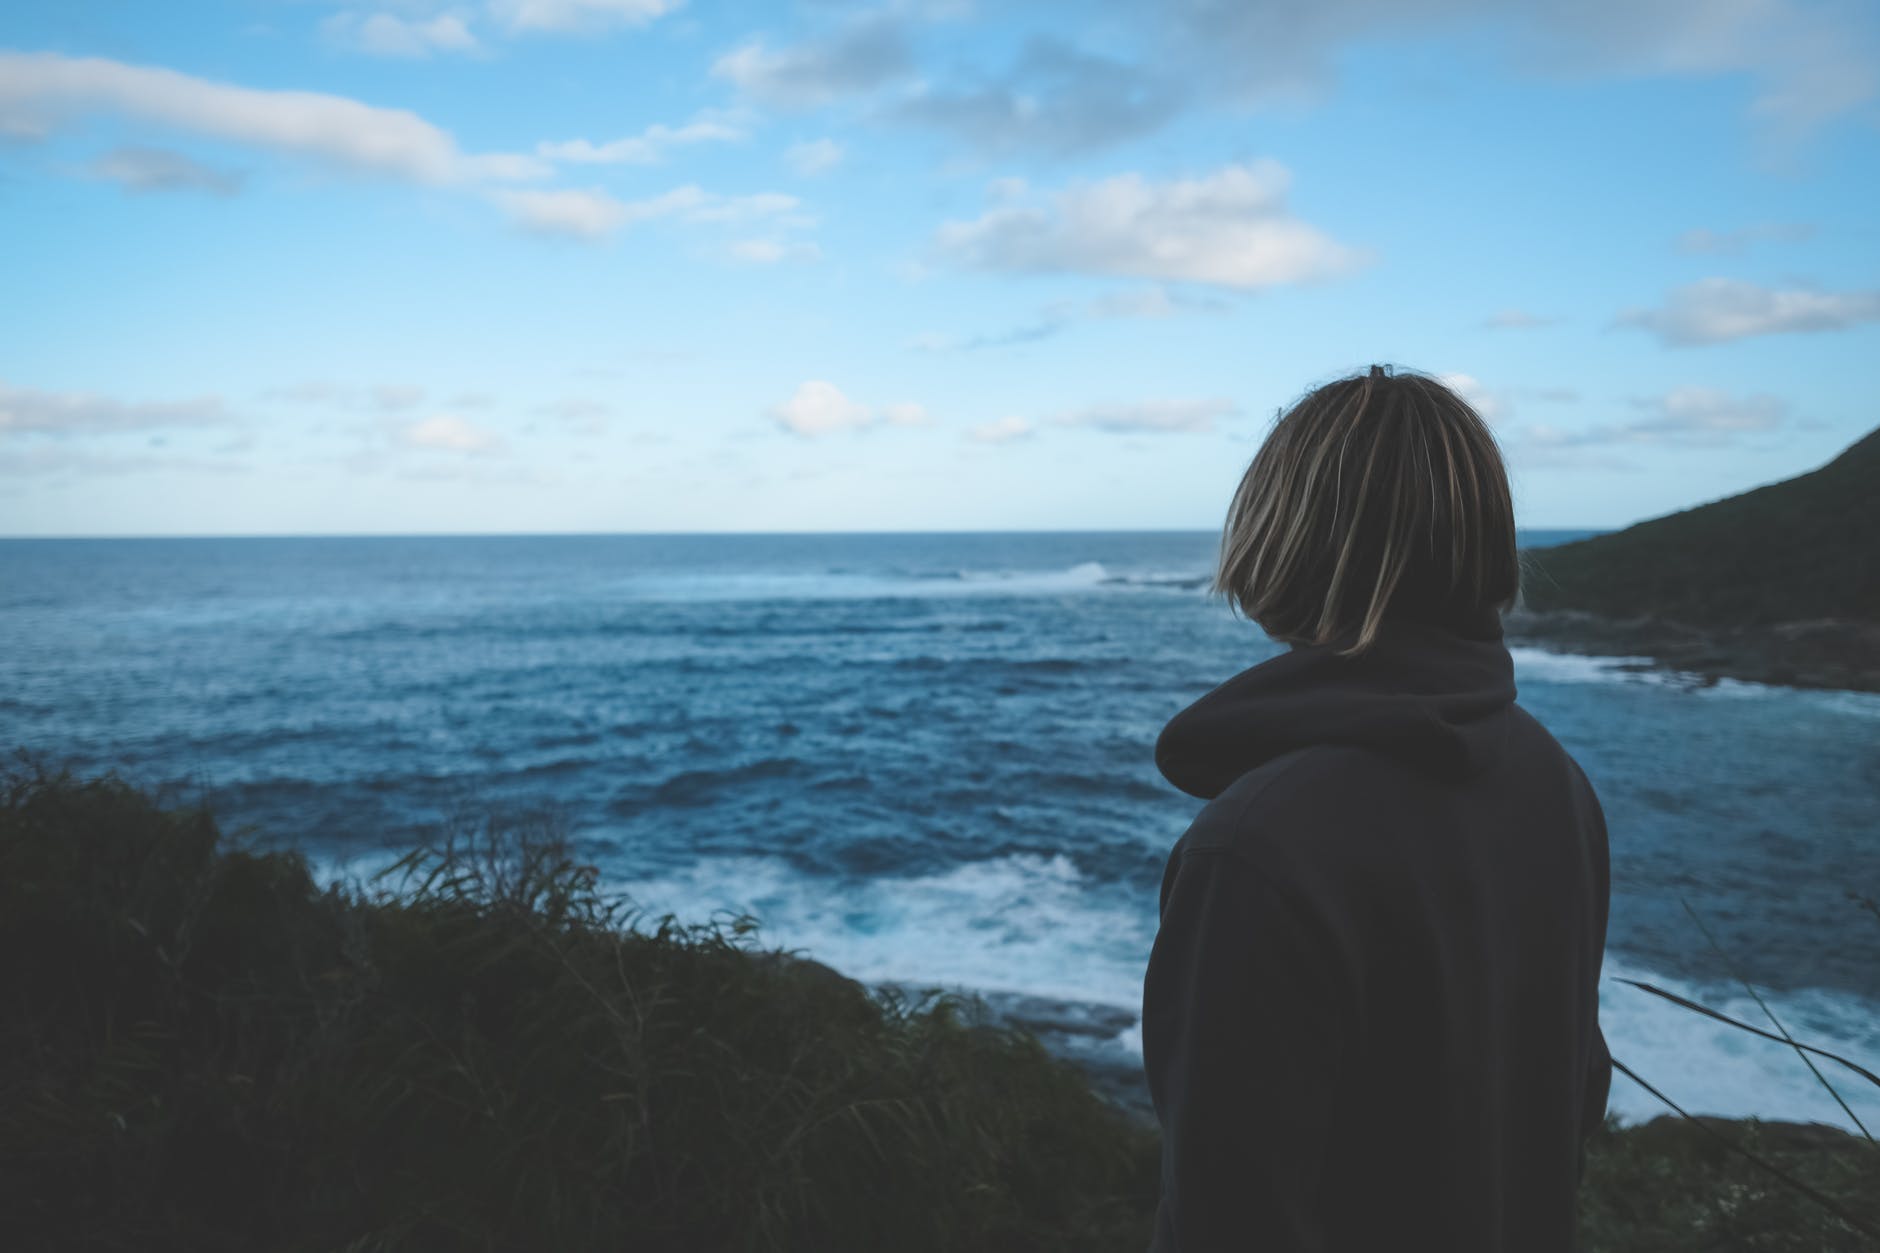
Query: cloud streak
46, 90
447, 432
592, 215
1156, 417
1718, 310
30, 411
818, 408
1054, 101
573, 17
389, 35
138, 169
1230, 228
1705, 242
1054, 319
649, 147
1691, 417
1806, 61
860, 57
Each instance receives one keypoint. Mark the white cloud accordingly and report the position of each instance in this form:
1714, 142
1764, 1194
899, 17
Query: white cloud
1684, 417
1055, 100
590, 215
447, 432
862, 56
649, 146
578, 16
397, 396
763, 204
813, 156
388, 35
159, 169
820, 408
772, 251
1152, 416
1151, 301
52, 460
1492, 406
1706, 412
1715, 310
45, 89
1807, 61
386, 397
582, 415
29, 411
1230, 228
1702, 240
1000, 431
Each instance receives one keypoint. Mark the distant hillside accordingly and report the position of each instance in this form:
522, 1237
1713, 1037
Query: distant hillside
1798, 550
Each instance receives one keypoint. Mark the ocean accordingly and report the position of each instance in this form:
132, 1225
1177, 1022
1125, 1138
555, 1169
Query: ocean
919, 758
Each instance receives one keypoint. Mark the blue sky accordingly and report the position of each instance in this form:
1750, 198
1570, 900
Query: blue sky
301, 266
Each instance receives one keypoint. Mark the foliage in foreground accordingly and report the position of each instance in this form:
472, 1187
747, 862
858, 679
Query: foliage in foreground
1667, 1187
206, 1052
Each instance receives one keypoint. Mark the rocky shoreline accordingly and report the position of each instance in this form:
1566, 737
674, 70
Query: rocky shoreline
1826, 653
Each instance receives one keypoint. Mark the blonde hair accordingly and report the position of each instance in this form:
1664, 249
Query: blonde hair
1378, 495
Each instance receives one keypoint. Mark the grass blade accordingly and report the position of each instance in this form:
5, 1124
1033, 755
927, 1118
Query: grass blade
1825, 1202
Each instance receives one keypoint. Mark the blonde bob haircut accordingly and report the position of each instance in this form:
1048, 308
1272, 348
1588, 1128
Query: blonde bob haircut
1378, 496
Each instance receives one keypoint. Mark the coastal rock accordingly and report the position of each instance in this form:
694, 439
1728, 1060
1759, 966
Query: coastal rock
1826, 653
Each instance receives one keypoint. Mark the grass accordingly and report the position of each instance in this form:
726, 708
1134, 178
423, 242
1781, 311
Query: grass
207, 1051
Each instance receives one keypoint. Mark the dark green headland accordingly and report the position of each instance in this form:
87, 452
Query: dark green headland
1779, 584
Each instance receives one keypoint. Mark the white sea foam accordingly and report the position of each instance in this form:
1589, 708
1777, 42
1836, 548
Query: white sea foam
1542, 666
1710, 1067
1034, 925
1023, 923
1550, 667
844, 585
1084, 576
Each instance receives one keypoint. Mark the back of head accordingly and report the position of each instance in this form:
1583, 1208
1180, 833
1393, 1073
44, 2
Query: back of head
1378, 496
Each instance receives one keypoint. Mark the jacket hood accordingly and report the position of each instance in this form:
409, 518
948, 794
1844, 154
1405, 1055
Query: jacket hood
1436, 697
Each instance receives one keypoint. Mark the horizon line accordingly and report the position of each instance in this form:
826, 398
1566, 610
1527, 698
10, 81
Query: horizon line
652, 534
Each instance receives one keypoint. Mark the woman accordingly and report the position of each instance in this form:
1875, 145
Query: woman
1371, 1017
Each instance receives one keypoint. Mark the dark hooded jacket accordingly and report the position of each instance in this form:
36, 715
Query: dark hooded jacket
1371, 1016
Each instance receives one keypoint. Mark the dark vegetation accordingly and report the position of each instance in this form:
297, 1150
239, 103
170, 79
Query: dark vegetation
1803, 549
205, 1051
1776, 585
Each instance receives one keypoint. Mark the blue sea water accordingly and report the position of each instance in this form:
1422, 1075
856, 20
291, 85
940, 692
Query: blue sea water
923, 758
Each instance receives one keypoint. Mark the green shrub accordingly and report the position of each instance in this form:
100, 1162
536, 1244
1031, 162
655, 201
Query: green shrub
211, 1053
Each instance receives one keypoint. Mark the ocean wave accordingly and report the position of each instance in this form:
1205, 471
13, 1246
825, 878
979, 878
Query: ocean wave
1037, 925
1024, 922
1712, 1068
700, 787
1545, 666
1184, 581
892, 584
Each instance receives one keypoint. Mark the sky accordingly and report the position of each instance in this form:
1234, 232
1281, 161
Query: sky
323, 267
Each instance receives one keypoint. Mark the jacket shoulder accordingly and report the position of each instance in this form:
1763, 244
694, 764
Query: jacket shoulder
1271, 789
